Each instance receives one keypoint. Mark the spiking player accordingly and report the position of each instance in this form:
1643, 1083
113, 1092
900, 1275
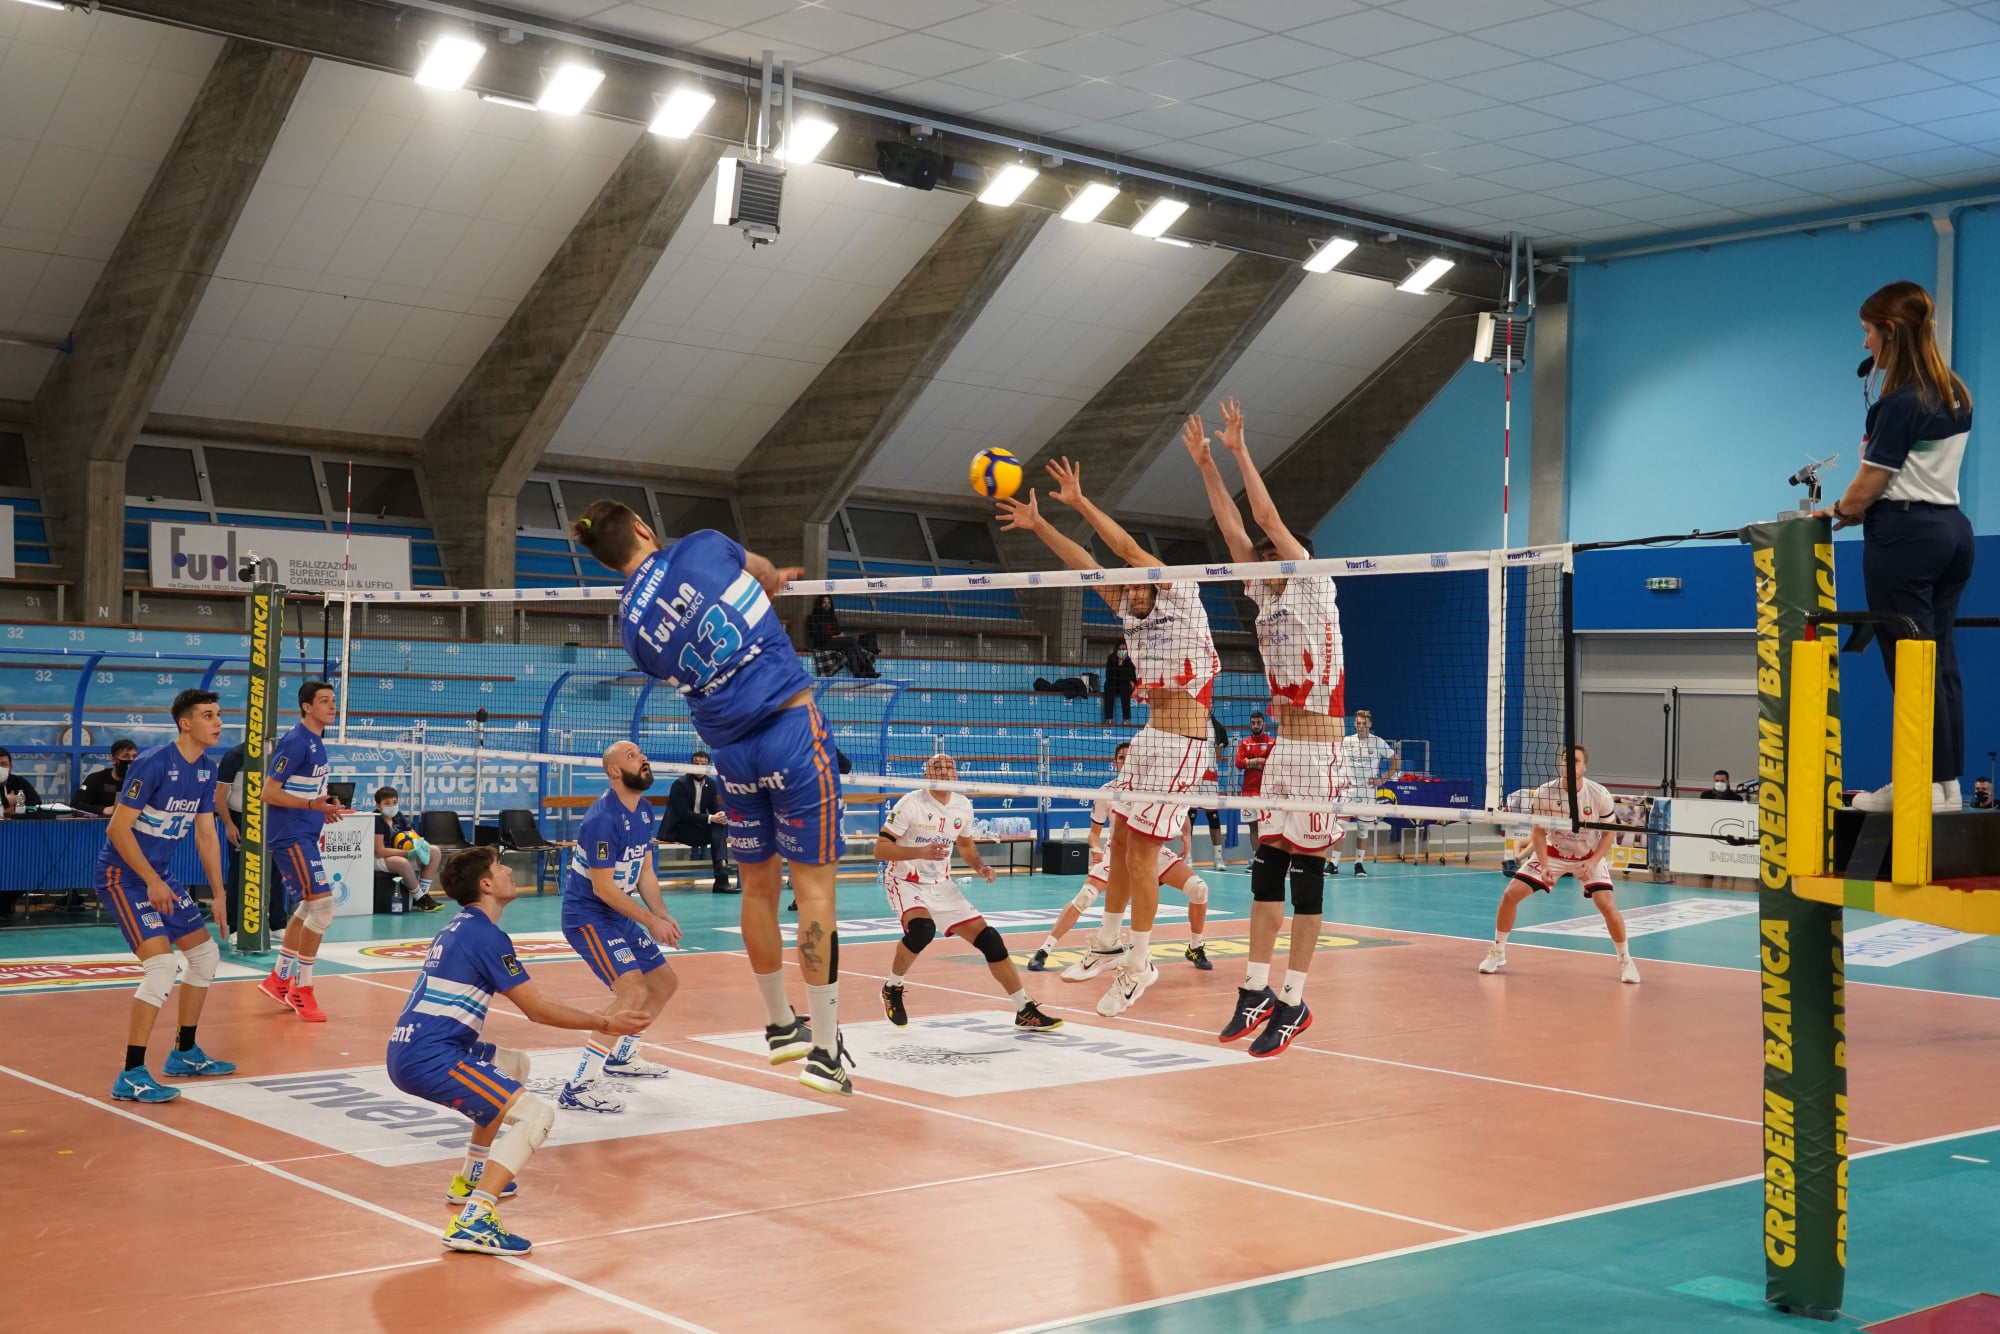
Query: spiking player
915, 848
618, 938
436, 1051
699, 618
169, 792
1174, 872
1555, 853
297, 809
1298, 635
1166, 631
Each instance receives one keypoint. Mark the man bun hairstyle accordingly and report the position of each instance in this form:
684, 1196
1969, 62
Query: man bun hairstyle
608, 530
463, 872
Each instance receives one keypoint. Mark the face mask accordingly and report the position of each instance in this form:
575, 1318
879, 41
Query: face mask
120, 766
389, 811
1722, 787
4, 771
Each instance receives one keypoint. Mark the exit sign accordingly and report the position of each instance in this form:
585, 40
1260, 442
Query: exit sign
1667, 585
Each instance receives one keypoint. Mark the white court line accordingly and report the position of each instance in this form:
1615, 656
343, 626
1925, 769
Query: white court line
1309, 1271
428, 1229
1103, 1150
1959, 1157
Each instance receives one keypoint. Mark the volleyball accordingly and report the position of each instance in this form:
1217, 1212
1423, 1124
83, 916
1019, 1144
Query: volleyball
996, 473
404, 842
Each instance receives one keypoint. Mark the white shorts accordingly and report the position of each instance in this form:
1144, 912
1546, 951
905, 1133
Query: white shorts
1543, 872
1305, 770
1100, 867
382, 865
1163, 762
942, 899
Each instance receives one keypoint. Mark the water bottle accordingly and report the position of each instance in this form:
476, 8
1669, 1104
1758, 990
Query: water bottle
396, 900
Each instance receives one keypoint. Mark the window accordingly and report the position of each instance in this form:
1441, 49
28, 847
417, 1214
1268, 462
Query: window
379, 491
244, 479
577, 497
537, 508
888, 535
161, 472
13, 461
683, 514
962, 540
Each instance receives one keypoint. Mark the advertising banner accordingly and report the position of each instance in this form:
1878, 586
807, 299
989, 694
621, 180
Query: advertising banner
228, 558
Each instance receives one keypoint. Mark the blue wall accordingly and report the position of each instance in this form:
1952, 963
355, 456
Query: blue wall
1975, 355
1438, 487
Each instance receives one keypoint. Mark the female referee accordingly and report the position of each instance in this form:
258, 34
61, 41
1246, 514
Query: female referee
1916, 553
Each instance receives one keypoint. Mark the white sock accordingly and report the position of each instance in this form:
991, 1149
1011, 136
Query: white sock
1294, 990
423, 885
302, 970
1142, 946
823, 1004
1051, 943
777, 1010
1017, 999
1500, 939
1194, 940
627, 1048
1256, 976
287, 963
896, 979
1107, 930
592, 1063
1624, 949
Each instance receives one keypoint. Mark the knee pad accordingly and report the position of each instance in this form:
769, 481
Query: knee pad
528, 1128
919, 934
317, 915
513, 1064
1267, 873
990, 945
1196, 889
1308, 886
1086, 896
157, 979
201, 961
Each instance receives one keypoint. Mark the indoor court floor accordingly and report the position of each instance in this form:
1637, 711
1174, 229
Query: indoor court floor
1545, 1149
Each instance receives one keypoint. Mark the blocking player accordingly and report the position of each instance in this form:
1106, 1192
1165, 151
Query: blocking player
296, 810
699, 618
168, 793
1363, 758
436, 1051
1174, 872
1298, 635
1555, 853
618, 938
1166, 632
915, 848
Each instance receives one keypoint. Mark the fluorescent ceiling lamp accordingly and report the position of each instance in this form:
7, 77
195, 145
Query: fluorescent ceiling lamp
681, 113
502, 100
449, 62
1089, 202
809, 135
56, 5
1175, 241
569, 89
870, 178
1006, 187
1328, 257
1162, 215
1433, 269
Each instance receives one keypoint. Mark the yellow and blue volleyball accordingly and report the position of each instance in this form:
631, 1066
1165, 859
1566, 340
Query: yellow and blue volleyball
996, 473
404, 842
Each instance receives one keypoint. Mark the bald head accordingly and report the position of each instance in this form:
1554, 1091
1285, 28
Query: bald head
627, 767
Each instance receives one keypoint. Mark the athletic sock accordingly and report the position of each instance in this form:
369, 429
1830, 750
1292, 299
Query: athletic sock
303, 974
1624, 950
627, 1048
1256, 976
424, 887
823, 1004
1142, 946
594, 1055
1194, 941
184, 1035
897, 979
475, 1204
1500, 939
135, 1058
1051, 943
287, 963
1018, 999
1107, 930
1294, 990
475, 1162
777, 1010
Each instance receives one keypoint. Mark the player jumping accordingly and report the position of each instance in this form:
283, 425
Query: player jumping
436, 1051
1166, 632
169, 792
1298, 635
297, 809
614, 856
699, 618
915, 848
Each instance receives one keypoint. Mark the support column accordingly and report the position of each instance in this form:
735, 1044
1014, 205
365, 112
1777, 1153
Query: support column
1548, 480
94, 402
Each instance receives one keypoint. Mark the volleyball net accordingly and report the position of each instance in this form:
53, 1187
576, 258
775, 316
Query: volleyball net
488, 698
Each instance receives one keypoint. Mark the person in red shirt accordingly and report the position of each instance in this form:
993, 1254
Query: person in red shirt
1251, 752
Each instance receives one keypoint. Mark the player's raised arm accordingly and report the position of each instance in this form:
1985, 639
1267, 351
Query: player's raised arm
1069, 490
1220, 503
772, 577
1262, 509
1025, 516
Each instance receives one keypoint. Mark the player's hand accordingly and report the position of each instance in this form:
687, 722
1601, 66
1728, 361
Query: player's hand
1231, 434
1069, 482
666, 931
933, 852
221, 915
718, 818
622, 1023
783, 575
1195, 436
987, 874
161, 897
1022, 516
234, 835
329, 806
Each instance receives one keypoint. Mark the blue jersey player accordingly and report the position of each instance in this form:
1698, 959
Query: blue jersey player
169, 793
699, 617
617, 937
296, 809
437, 1051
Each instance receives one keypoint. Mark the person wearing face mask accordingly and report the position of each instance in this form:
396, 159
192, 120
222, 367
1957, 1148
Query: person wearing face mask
1720, 789
17, 794
99, 792
694, 819
413, 869
1121, 678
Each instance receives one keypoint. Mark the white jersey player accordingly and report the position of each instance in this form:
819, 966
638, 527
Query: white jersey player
1555, 853
1174, 871
1298, 635
1362, 756
915, 848
1166, 633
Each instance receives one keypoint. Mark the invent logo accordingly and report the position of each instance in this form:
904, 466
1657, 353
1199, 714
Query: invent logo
220, 567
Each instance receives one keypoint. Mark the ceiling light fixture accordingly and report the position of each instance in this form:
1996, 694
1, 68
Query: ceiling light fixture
1175, 241
681, 114
1008, 183
56, 5
870, 178
449, 61
809, 134
1328, 256
1432, 269
1163, 214
569, 89
1090, 201
502, 100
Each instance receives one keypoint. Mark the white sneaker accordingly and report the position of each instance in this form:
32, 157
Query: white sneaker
1953, 799
1944, 797
1627, 970
1495, 960
588, 1098
1093, 964
637, 1068
1127, 985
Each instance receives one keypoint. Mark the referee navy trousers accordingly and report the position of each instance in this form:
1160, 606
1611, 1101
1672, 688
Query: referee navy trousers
1916, 560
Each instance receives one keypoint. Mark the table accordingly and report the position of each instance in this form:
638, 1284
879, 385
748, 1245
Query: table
54, 855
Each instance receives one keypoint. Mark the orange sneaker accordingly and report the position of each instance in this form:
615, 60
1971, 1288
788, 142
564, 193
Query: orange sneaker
301, 999
277, 988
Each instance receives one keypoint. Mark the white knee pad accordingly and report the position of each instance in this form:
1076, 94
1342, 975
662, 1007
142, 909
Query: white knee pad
513, 1064
1086, 896
201, 961
317, 915
158, 979
527, 1129
1196, 889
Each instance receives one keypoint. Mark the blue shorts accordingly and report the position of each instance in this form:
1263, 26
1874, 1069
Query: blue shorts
464, 1080
611, 944
781, 788
299, 871
124, 894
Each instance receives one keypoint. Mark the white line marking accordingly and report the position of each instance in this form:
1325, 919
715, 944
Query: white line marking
428, 1229
1959, 1157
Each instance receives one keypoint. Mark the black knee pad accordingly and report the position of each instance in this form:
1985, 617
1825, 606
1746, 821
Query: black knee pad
1308, 886
920, 932
1267, 873
989, 944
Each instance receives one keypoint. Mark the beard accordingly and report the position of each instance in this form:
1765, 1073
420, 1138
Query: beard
637, 780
